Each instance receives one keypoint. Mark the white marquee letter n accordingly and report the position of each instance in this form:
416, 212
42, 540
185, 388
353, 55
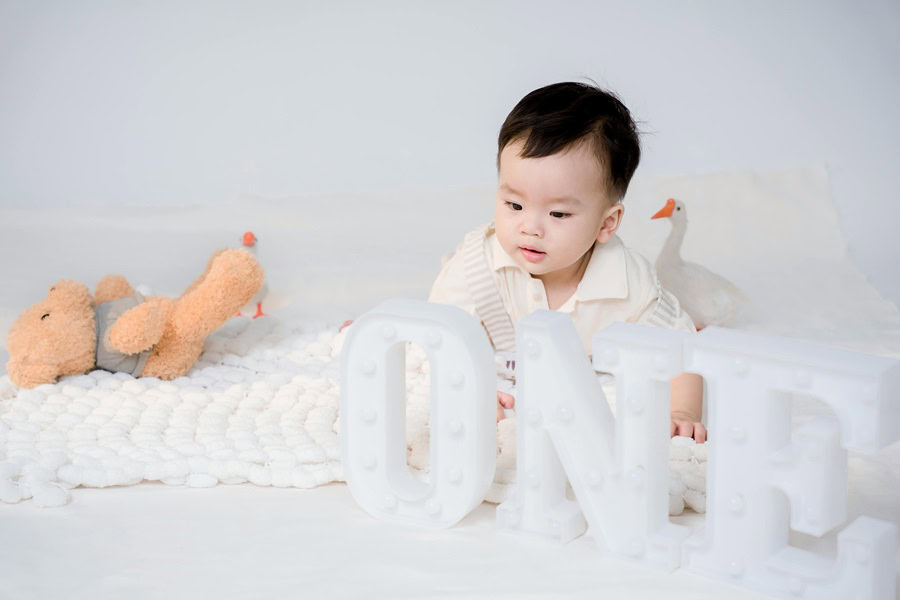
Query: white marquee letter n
618, 467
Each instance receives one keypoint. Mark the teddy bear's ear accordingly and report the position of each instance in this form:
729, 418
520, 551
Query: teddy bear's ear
70, 295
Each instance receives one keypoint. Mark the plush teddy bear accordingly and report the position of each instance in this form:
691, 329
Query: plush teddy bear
70, 332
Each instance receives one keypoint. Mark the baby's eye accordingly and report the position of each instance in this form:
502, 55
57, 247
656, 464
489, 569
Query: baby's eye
514, 206
559, 215
44, 316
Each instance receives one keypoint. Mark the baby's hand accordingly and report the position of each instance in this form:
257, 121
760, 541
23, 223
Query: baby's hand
688, 425
504, 400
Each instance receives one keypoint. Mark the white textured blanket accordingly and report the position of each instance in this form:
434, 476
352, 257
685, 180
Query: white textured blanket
261, 405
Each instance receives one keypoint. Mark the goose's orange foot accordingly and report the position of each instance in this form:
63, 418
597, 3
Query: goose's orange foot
259, 312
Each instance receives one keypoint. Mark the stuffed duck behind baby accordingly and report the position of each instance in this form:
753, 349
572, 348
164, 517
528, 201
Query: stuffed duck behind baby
708, 298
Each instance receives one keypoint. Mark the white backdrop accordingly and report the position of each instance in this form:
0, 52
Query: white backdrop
174, 103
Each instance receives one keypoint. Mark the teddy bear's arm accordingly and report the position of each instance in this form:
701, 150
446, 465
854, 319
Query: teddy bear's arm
31, 375
141, 327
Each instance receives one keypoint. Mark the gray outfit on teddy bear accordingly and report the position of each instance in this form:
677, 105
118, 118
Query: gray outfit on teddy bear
108, 358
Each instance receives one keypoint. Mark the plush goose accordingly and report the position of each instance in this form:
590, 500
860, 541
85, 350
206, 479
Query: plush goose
250, 244
708, 298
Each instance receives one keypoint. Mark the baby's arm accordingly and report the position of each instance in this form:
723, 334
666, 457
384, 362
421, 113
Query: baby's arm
505, 363
450, 288
504, 401
686, 405
662, 309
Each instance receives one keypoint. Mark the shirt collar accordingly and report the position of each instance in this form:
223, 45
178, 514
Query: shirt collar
605, 277
499, 258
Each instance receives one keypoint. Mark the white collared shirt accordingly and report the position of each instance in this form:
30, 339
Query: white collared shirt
618, 285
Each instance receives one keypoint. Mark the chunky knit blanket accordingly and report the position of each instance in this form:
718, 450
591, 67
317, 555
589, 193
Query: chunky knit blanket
260, 406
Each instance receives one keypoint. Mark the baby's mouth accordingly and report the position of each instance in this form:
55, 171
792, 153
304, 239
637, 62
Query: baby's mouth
532, 254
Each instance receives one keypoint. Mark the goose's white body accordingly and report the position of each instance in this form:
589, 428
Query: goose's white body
708, 298
251, 307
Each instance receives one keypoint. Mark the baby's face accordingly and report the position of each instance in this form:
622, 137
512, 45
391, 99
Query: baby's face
549, 210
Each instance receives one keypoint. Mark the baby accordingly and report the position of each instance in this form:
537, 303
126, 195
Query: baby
566, 154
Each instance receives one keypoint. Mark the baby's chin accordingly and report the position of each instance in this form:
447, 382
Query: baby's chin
541, 268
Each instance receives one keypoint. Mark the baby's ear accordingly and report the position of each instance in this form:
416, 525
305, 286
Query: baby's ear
611, 221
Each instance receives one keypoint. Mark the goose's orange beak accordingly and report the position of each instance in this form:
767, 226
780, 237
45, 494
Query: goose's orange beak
666, 210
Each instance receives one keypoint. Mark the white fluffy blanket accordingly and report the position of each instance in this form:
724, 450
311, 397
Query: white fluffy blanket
261, 405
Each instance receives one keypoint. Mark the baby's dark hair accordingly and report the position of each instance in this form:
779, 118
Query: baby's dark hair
561, 116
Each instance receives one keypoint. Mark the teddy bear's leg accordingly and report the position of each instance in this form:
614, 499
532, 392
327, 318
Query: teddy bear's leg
112, 287
141, 327
200, 279
231, 282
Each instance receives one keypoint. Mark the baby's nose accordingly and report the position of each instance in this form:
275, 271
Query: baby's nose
532, 227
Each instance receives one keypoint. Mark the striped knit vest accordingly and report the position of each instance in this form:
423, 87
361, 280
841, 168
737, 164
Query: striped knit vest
484, 292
